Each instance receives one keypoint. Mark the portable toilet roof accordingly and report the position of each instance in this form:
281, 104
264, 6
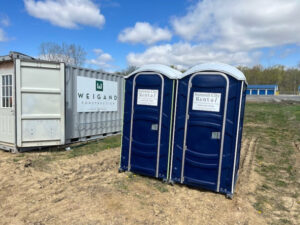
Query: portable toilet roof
159, 68
215, 66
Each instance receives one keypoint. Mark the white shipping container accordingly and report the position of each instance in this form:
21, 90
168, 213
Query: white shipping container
48, 104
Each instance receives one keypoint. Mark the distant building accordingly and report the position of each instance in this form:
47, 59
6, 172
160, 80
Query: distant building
268, 89
299, 90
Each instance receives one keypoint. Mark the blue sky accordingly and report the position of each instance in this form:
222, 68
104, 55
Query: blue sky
118, 33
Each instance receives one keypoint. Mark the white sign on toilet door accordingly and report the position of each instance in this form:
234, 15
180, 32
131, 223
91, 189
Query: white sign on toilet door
206, 101
147, 97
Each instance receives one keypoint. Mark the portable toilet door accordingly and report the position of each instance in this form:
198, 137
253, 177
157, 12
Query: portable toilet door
208, 127
148, 109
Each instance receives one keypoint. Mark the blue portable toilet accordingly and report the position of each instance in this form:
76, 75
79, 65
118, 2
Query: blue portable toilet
209, 112
148, 109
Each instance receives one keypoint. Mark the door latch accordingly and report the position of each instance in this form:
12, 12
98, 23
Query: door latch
154, 126
215, 135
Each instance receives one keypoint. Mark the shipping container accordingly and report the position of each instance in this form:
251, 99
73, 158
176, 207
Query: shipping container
148, 110
94, 102
49, 104
208, 127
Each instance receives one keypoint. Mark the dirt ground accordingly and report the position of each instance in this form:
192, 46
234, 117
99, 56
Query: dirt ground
89, 190
83, 186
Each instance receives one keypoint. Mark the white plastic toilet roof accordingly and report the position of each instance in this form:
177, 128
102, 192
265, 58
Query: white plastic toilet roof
219, 67
158, 68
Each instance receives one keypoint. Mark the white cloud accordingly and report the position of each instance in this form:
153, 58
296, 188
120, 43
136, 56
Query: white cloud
144, 33
97, 51
241, 25
4, 21
2, 36
229, 31
103, 60
66, 13
184, 55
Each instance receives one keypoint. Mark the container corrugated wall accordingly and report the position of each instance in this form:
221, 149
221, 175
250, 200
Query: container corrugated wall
81, 126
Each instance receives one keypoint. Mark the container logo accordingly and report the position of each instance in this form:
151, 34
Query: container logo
92, 97
99, 85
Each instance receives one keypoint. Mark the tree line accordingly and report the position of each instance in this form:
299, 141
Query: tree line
287, 79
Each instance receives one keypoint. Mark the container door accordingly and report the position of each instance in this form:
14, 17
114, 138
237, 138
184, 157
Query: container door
40, 103
7, 109
204, 130
144, 146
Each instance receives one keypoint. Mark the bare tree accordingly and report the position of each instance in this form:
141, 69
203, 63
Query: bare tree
68, 53
127, 71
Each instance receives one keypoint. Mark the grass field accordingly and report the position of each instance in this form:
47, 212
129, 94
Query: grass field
277, 128
82, 186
